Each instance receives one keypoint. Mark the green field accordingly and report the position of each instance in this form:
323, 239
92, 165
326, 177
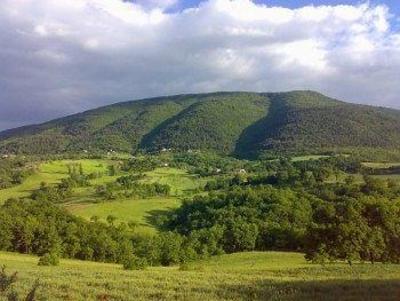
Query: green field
141, 211
308, 158
51, 173
181, 182
86, 204
381, 165
245, 276
359, 177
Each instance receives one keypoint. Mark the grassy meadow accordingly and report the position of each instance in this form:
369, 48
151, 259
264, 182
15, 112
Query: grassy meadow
142, 211
381, 164
86, 204
51, 173
244, 276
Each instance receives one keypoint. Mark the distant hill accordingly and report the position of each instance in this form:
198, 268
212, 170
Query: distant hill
240, 123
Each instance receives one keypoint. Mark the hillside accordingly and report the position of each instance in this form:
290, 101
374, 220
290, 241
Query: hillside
238, 123
244, 276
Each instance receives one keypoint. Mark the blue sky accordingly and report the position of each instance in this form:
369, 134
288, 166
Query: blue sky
394, 5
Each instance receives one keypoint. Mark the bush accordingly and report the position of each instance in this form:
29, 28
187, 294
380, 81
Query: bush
49, 259
132, 262
6, 280
6, 289
184, 266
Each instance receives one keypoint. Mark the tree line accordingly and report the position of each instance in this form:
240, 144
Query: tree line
49, 231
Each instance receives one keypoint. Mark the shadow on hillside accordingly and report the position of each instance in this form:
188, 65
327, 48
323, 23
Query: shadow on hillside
266, 129
149, 140
156, 218
321, 290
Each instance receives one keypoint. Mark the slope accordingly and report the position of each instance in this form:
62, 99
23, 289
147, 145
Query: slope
240, 123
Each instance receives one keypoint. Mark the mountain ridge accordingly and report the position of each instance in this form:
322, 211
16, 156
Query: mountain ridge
240, 123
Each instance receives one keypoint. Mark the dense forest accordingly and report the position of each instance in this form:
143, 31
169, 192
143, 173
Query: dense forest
247, 125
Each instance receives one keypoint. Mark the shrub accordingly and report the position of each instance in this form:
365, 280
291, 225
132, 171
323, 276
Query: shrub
184, 266
49, 259
132, 262
6, 280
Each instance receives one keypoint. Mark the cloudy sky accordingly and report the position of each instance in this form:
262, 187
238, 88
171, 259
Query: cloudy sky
65, 56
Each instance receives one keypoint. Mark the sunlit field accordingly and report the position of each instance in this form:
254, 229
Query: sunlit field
245, 276
86, 204
51, 173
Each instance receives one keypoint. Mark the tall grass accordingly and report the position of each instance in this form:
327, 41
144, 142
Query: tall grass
245, 276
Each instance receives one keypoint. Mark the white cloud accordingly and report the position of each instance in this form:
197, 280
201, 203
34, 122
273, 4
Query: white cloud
59, 57
151, 4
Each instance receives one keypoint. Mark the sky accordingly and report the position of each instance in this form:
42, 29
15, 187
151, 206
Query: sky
62, 57
394, 5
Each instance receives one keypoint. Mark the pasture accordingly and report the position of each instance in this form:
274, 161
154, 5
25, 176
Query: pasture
141, 211
381, 164
85, 203
51, 173
244, 276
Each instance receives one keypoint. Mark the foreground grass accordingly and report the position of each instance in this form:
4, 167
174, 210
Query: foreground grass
245, 276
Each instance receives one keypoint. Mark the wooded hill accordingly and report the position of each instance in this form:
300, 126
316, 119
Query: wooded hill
239, 123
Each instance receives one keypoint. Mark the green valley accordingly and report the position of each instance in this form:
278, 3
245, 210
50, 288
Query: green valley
221, 196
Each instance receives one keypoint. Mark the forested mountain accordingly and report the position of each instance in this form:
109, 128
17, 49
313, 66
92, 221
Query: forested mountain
241, 123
